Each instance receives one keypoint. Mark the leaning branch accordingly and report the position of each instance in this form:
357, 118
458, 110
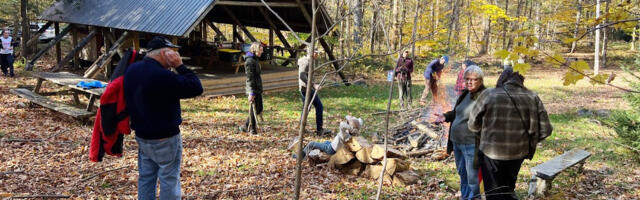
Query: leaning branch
589, 77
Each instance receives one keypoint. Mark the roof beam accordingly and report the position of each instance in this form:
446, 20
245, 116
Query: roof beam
242, 27
51, 43
257, 4
75, 50
216, 29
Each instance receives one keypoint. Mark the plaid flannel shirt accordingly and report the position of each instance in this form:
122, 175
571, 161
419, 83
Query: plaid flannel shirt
495, 118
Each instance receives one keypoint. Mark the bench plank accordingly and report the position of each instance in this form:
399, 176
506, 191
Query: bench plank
48, 103
69, 80
550, 169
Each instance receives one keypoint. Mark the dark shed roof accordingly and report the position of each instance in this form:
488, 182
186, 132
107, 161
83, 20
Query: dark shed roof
173, 17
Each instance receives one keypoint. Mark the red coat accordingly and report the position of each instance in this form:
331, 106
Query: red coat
112, 123
112, 120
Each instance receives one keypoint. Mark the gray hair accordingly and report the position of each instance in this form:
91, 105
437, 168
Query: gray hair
474, 69
154, 52
255, 47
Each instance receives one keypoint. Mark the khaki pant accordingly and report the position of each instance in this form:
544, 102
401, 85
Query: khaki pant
429, 86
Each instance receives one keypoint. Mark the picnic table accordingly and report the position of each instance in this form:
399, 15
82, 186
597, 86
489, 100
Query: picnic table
69, 81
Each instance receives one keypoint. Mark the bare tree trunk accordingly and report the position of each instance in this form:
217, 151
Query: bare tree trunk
515, 25
437, 13
413, 33
486, 38
605, 38
305, 112
25, 29
395, 32
575, 32
504, 26
358, 22
374, 27
453, 17
402, 22
596, 52
633, 39
468, 42
536, 26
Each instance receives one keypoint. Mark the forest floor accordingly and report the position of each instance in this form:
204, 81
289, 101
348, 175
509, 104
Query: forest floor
221, 163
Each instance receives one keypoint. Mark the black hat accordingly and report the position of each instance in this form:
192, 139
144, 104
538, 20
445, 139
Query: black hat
159, 42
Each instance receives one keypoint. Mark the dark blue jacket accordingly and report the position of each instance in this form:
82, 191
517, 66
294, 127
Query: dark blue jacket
433, 67
153, 96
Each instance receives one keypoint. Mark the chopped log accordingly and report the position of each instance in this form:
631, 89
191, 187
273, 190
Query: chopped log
341, 157
373, 171
364, 156
419, 153
378, 152
424, 128
316, 156
405, 178
353, 167
357, 143
417, 140
395, 165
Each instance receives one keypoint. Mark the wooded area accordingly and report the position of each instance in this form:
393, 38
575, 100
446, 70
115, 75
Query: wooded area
559, 42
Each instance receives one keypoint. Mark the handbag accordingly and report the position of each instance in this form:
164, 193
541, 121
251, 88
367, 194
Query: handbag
532, 144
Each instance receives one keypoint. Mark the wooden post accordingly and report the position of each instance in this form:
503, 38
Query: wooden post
324, 44
58, 49
102, 60
75, 50
270, 37
136, 41
35, 58
204, 32
235, 33
74, 42
237, 22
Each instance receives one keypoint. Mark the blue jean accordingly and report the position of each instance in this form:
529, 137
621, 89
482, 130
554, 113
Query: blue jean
6, 63
317, 104
464, 154
322, 146
159, 160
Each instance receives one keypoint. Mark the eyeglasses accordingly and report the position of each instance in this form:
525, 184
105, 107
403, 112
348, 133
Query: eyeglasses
472, 79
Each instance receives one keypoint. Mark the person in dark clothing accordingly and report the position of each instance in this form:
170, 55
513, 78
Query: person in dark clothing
432, 74
253, 86
461, 141
303, 77
510, 120
152, 94
404, 68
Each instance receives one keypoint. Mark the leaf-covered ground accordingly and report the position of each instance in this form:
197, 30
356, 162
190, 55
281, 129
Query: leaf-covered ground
220, 163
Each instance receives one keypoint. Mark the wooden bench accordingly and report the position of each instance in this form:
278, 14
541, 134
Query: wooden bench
70, 80
543, 174
48, 103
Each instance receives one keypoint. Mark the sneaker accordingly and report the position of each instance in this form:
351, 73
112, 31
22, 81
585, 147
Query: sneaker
323, 132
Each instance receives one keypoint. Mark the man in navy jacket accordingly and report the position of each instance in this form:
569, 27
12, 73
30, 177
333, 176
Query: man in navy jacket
153, 94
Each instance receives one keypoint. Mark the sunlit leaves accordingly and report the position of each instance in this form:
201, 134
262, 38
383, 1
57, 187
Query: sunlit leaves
502, 54
580, 66
521, 68
571, 77
556, 60
599, 79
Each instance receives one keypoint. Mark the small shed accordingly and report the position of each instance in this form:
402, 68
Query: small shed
101, 29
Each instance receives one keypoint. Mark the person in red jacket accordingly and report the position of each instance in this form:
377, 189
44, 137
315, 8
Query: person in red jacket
404, 68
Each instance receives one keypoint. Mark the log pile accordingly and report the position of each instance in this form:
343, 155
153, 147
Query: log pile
359, 157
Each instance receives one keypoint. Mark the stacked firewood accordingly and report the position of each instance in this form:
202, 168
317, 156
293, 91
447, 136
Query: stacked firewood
359, 157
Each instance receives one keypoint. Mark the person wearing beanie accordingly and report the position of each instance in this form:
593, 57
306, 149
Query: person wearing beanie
432, 74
